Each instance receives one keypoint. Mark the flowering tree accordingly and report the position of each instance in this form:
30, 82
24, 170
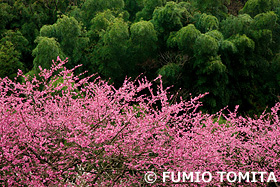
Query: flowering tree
61, 130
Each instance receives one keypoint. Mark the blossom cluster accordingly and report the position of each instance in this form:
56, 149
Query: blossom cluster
59, 130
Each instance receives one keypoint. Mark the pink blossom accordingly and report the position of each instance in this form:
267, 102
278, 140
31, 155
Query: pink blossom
94, 134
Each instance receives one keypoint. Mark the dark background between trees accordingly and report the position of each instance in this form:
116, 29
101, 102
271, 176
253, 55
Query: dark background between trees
227, 48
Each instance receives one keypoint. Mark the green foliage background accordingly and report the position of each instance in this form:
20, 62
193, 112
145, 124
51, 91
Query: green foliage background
196, 45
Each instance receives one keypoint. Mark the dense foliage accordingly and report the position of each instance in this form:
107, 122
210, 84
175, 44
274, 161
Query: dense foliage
59, 130
196, 45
